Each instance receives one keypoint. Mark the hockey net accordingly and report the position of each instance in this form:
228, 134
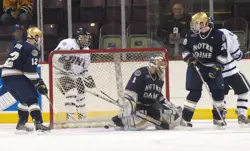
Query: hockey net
111, 70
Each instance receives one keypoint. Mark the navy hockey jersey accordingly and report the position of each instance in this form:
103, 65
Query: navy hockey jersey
210, 47
144, 88
22, 60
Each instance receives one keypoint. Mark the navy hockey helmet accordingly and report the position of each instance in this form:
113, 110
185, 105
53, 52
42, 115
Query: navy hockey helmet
83, 37
159, 63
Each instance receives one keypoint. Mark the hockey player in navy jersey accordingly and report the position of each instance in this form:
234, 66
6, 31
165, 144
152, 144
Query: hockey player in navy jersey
144, 93
205, 48
21, 79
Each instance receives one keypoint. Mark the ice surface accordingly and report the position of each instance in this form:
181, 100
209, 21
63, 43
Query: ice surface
203, 137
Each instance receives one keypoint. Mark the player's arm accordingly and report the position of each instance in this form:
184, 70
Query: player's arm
132, 90
187, 53
235, 51
30, 70
63, 59
134, 86
221, 55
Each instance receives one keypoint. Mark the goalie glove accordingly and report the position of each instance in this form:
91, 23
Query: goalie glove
40, 86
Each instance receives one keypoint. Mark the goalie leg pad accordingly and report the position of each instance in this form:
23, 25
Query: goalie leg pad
171, 115
134, 123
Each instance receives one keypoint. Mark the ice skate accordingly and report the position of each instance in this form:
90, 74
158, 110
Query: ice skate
220, 124
23, 128
40, 127
242, 120
185, 124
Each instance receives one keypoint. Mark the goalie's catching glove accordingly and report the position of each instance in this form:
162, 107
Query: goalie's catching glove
215, 69
40, 86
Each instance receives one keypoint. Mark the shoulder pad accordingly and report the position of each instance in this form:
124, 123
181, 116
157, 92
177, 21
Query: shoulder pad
137, 73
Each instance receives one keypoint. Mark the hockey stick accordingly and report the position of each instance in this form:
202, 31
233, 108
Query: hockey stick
137, 113
207, 89
84, 79
55, 109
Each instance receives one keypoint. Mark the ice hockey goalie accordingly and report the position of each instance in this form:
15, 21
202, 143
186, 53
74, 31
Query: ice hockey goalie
143, 94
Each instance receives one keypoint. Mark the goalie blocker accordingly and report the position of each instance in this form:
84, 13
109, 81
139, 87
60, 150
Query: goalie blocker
143, 95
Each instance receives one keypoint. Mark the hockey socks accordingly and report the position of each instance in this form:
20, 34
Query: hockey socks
35, 113
23, 113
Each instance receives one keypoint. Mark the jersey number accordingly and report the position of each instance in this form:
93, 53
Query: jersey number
134, 80
9, 62
34, 61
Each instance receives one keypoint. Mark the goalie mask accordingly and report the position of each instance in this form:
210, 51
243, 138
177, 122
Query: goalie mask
83, 37
159, 63
199, 21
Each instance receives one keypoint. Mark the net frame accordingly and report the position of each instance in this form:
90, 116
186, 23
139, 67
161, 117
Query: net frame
127, 50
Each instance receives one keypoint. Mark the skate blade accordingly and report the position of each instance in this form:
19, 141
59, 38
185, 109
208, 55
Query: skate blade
22, 132
243, 125
42, 132
217, 127
184, 128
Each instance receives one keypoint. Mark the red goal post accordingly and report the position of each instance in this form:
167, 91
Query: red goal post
103, 69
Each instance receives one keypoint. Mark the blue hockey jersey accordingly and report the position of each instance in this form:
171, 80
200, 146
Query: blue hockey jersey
143, 87
22, 60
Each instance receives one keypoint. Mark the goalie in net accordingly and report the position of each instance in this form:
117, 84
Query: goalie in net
72, 74
143, 94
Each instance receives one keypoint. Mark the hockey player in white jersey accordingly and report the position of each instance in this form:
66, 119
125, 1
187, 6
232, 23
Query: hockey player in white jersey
72, 73
143, 94
233, 78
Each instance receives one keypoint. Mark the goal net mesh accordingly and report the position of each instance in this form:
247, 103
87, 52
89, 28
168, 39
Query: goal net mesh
110, 70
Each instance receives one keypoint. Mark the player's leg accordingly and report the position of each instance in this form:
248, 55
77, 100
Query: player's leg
194, 86
241, 87
22, 108
29, 96
127, 120
68, 88
81, 100
216, 87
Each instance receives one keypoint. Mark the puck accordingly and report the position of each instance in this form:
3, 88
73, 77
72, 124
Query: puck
106, 126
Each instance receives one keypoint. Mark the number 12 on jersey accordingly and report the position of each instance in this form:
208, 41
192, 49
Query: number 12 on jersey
34, 61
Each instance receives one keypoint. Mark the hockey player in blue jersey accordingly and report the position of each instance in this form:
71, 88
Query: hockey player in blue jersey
143, 93
205, 48
21, 79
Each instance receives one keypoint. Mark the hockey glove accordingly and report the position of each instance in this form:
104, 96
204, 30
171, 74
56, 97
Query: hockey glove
191, 62
215, 70
41, 87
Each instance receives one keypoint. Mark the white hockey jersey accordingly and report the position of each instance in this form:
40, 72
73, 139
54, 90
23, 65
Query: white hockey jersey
234, 53
79, 62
